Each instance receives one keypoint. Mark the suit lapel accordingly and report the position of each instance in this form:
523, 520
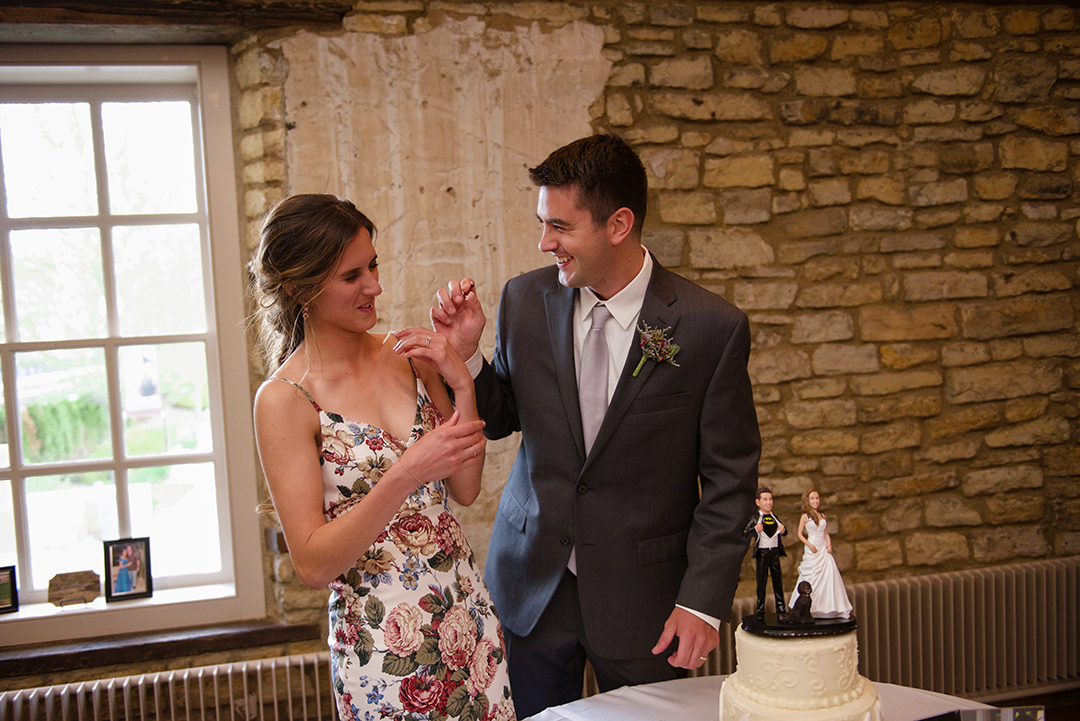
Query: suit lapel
656, 311
559, 305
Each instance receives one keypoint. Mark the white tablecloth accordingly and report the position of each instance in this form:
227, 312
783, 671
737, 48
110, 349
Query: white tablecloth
698, 699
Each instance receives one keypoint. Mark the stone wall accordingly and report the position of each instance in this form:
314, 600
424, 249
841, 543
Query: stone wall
889, 190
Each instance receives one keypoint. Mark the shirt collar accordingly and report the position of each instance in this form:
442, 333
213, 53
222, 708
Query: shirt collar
624, 305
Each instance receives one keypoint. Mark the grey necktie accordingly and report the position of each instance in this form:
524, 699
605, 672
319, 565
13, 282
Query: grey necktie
593, 383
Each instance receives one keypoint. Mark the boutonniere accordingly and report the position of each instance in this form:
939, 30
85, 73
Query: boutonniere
655, 345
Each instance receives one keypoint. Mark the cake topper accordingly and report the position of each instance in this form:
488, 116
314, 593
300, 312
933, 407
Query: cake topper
800, 605
768, 550
818, 567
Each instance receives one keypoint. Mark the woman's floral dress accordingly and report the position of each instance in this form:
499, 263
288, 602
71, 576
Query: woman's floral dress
413, 633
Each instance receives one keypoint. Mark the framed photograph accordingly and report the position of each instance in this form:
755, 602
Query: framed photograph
9, 590
127, 569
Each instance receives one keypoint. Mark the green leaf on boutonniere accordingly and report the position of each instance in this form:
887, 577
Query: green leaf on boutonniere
656, 346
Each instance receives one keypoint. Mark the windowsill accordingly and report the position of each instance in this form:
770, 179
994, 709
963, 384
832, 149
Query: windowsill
147, 647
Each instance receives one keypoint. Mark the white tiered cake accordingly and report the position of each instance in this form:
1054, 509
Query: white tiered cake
812, 678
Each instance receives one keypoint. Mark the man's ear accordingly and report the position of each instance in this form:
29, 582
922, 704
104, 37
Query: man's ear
620, 225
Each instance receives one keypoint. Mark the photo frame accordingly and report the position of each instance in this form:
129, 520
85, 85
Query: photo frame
9, 590
127, 569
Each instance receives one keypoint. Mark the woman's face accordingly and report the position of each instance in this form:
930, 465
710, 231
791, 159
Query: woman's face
814, 500
347, 298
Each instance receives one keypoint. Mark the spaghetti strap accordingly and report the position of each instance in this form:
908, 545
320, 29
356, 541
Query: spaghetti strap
301, 389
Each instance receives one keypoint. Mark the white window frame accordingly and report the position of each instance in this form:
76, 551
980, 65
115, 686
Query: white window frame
242, 597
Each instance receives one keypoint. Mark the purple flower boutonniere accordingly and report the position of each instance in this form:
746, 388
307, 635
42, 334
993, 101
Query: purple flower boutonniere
655, 345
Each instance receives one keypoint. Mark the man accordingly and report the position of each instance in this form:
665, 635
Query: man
604, 548
768, 550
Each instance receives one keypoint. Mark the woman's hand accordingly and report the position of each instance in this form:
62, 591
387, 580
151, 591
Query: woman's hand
452, 447
435, 350
812, 547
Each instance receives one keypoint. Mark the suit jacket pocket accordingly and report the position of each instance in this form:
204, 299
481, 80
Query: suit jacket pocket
657, 404
665, 548
513, 512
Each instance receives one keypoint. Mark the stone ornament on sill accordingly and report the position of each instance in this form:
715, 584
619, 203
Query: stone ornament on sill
76, 587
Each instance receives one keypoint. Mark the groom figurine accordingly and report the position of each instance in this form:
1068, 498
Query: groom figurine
617, 536
768, 550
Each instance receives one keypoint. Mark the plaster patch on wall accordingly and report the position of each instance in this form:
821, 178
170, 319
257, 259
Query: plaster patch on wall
431, 136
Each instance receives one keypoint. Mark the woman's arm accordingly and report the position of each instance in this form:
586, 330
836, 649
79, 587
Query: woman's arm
442, 364
802, 533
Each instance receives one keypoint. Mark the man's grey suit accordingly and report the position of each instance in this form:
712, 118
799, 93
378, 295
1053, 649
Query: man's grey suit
645, 538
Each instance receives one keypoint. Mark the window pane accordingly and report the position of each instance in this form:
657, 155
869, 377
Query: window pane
176, 506
63, 405
166, 399
8, 556
159, 279
5, 449
48, 151
149, 157
69, 516
59, 292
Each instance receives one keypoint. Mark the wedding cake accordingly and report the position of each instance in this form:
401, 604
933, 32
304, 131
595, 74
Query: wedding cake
810, 677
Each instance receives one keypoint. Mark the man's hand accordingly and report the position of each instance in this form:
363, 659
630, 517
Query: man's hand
458, 316
696, 639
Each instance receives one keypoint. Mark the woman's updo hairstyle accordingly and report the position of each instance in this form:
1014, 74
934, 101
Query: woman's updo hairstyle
301, 240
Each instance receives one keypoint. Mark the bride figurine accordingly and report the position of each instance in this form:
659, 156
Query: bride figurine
818, 566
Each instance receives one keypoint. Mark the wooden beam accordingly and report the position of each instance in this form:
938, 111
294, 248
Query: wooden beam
252, 14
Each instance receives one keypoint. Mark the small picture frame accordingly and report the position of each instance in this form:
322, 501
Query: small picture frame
9, 590
127, 569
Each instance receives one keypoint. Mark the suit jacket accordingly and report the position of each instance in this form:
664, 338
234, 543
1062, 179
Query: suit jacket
750, 529
646, 537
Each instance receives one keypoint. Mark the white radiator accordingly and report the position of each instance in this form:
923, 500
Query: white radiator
289, 688
988, 634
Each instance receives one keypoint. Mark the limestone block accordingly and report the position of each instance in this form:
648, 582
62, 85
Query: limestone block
889, 189
964, 353
799, 252
969, 52
883, 384
687, 208
863, 162
1021, 22
652, 135
1050, 120
728, 248
801, 48
1024, 409
962, 449
830, 191
943, 193
257, 67
740, 47
941, 285
932, 549
657, 49
976, 237
791, 179
835, 413
846, 45
839, 465
922, 33
711, 106
1009, 283
836, 359
967, 158
697, 39
671, 168
916, 485
814, 223
833, 295
903, 243
1000, 381
1033, 154
1003, 543
1027, 79
1052, 346
1067, 544
908, 261
945, 511
671, 15
963, 80
819, 388
460, 8
903, 515
746, 171
693, 73
874, 409
1023, 315
620, 112
825, 327
377, 24
900, 356
805, 138
878, 555
1059, 18
825, 442
765, 295
1041, 431
824, 82
728, 146
665, 245
816, 17
259, 106
1040, 234
631, 74
553, 13
980, 23
744, 207
871, 217
778, 365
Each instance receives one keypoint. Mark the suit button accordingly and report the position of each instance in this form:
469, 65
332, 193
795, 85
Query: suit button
582, 489
565, 540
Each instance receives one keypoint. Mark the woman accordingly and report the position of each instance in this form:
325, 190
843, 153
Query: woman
818, 566
361, 446
123, 574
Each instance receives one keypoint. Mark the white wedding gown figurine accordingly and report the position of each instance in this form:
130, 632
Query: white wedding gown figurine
818, 567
